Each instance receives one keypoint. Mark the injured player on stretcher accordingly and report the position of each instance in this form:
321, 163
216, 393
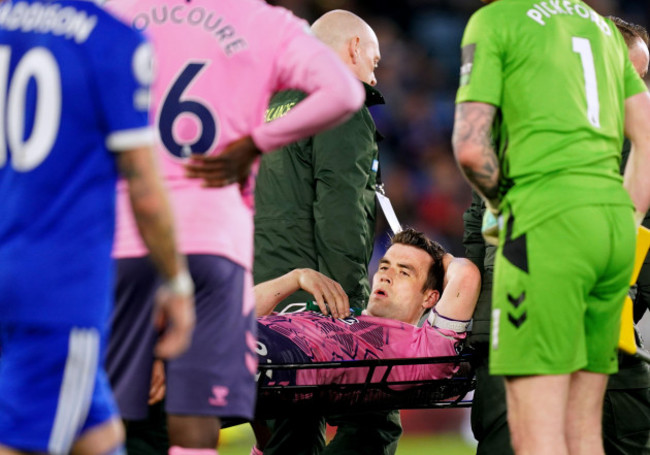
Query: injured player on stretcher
415, 276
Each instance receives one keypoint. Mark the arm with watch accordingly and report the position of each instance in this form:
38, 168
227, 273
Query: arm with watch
174, 309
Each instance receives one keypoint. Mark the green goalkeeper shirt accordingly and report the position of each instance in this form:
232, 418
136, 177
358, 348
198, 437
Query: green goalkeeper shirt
559, 74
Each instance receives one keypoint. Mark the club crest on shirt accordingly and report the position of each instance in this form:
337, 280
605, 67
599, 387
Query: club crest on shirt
467, 63
219, 394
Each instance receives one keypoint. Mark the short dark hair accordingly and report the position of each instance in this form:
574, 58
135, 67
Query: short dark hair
630, 31
417, 239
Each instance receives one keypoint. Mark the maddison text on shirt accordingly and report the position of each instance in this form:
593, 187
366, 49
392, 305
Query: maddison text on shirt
47, 18
542, 11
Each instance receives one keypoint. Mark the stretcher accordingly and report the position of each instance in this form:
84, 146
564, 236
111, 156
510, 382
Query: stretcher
376, 392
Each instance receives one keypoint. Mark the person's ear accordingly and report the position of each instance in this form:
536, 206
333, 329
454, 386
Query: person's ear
353, 49
431, 297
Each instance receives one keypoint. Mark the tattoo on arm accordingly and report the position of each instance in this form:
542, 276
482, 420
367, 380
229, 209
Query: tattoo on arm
472, 130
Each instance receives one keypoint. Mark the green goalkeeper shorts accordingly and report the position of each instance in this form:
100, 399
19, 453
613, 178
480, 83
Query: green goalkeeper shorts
559, 290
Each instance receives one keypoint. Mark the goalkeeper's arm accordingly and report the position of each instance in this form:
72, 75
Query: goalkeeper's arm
636, 181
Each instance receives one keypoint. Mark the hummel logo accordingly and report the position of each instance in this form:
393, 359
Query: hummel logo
219, 394
517, 301
517, 322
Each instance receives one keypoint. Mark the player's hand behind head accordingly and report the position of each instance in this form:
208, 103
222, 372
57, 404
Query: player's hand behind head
232, 165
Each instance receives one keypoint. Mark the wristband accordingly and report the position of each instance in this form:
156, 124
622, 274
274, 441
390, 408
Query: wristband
441, 322
181, 284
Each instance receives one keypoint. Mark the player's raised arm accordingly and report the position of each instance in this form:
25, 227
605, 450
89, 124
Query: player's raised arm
333, 95
636, 181
460, 289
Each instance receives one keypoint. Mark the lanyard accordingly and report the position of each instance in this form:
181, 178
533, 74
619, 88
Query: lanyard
387, 208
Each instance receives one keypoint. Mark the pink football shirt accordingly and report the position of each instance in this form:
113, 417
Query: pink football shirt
218, 63
324, 339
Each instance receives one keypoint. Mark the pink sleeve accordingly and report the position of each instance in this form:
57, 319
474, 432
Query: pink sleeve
334, 94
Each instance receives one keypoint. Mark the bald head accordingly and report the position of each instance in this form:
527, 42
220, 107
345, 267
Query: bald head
352, 39
336, 27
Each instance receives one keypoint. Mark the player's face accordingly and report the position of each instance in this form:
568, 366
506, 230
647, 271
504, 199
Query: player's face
397, 286
368, 58
639, 56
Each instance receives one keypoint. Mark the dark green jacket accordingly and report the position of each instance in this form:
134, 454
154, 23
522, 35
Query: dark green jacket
315, 202
482, 255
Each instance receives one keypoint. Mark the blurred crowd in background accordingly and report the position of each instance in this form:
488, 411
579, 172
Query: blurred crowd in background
418, 76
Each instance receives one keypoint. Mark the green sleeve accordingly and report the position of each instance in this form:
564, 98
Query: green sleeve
343, 235
482, 60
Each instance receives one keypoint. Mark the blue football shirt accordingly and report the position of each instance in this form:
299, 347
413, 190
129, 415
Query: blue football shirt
74, 87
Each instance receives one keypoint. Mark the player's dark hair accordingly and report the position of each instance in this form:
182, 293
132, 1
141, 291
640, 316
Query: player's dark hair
630, 31
411, 237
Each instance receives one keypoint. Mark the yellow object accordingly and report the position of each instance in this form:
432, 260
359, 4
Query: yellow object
626, 341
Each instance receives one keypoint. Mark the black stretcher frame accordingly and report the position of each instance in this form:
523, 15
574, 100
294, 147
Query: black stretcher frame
274, 401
